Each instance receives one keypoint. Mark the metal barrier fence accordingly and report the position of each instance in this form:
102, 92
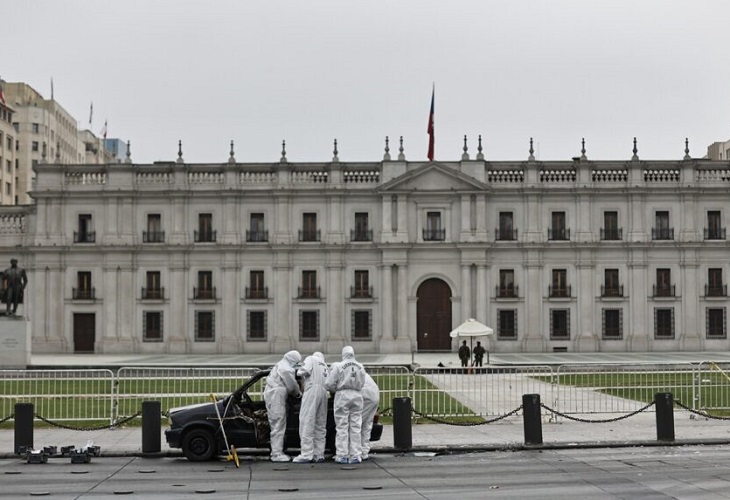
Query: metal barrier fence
174, 387
60, 394
438, 392
620, 388
483, 392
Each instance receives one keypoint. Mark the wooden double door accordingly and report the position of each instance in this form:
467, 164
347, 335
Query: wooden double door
433, 316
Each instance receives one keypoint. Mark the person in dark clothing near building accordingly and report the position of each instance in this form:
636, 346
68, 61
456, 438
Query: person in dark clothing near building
464, 354
479, 354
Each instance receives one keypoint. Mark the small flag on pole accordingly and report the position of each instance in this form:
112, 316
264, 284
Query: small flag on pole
103, 130
431, 131
91, 112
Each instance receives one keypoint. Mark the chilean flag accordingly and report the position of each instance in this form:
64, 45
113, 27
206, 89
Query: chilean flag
431, 132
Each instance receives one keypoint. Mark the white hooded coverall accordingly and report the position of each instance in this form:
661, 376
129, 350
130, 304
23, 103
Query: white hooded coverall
313, 410
346, 379
370, 401
279, 384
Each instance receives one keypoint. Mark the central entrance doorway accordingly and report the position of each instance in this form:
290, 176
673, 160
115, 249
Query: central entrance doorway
84, 332
433, 316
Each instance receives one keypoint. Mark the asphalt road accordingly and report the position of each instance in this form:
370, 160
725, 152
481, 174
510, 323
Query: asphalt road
691, 472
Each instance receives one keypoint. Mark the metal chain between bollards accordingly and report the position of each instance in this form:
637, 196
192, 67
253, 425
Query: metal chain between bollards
700, 413
467, 424
588, 421
117, 423
9, 417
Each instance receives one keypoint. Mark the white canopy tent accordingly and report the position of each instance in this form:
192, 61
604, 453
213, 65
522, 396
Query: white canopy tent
472, 328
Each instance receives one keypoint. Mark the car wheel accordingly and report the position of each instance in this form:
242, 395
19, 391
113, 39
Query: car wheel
199, 445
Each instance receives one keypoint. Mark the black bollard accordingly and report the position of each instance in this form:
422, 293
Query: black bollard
151, 413
532, 418
402, 437
23, 427
664, 402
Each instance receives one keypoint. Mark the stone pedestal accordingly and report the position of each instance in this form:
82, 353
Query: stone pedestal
15, 342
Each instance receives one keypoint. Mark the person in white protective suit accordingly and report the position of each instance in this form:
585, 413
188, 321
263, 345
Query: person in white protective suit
370, 401
313, 411
346, 379
280, 383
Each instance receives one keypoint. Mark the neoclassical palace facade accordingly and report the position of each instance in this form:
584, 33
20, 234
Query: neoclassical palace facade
389, 256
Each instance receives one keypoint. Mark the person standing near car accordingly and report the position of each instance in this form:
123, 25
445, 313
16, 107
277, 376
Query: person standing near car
370, 401
346, 379
313, 411
280, 384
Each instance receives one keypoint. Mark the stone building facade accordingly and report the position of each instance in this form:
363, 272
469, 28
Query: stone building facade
389, 256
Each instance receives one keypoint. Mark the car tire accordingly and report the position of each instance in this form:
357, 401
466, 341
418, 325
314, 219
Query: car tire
199, 445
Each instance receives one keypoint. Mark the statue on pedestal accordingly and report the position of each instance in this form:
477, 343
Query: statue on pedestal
13, 281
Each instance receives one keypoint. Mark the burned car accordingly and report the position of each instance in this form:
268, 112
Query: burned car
197, 430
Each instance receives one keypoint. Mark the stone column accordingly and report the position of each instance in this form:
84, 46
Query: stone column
181, 322
482, 295
335, 337
639, 327
587, 340
466, 311
284, 326
690, 329
232, 334
536, 324
387, 298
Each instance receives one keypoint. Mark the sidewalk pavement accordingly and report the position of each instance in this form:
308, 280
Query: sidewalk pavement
507, 434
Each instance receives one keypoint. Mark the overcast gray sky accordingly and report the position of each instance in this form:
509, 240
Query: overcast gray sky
310, 71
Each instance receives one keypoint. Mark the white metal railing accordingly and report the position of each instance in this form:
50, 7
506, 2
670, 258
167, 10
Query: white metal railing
59, 394
439, 392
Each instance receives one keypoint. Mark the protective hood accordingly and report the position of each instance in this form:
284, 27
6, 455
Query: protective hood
348, 352
293, 357
318, 355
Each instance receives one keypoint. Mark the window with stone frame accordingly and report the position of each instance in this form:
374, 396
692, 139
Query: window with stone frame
612, 326
664, 323
308, 325
559, 324
152, 326
204, 326
507, 324
256, 325
716, 322
362, 325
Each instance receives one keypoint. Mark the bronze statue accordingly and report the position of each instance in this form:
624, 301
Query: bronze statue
14, 280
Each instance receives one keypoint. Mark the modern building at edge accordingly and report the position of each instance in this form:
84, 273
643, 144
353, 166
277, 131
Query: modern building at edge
389, 256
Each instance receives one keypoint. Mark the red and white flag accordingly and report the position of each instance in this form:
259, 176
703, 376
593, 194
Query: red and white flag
431, 131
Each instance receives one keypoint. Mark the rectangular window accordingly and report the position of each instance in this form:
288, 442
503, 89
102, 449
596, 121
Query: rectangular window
205, 232
309, 288
507, 324
205, 289
664, 323
152, 326
506, 230
662, 231
256, 325
610, 229
507, 287
204, 326
613, 324
35, 128
362, 230
258, 232
361, 289
716, 323
257, 288
559, 324
362, 325
611, 286
309, 228
308, 325
558, 229
559, 284
714, 229
154, 233
84, 290
663, 286
153, 288
715, 286
34, 146
433, 230
85, 234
